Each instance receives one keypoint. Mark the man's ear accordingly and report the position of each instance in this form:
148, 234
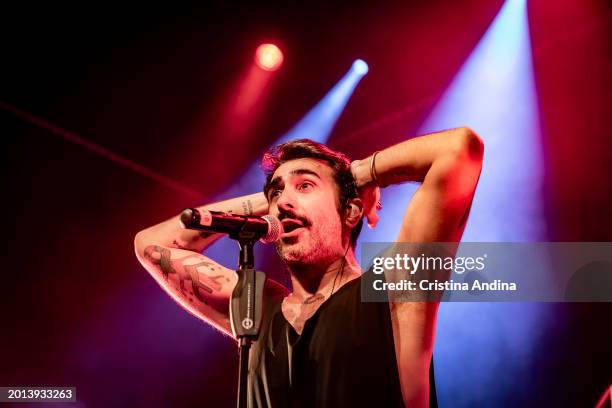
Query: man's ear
353, 212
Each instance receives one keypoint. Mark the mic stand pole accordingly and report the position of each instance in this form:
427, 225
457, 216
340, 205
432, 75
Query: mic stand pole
246, 309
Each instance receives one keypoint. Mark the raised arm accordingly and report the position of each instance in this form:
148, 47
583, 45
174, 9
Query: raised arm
448, 165
172, 256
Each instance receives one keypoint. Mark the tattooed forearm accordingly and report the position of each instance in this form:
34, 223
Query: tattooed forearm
199, 280
158, 255
247, 207
187, 272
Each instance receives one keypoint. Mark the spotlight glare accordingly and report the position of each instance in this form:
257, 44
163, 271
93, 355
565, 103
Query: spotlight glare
360, 67
268, 57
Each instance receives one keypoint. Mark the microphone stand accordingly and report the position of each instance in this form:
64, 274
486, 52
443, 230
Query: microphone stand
247, 298
246, 308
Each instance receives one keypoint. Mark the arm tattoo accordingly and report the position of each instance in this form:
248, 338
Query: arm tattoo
187, 274
160, 256
247, 207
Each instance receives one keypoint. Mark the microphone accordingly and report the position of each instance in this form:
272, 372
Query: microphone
267, 228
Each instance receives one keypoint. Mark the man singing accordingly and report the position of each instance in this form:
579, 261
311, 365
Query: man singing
320, 345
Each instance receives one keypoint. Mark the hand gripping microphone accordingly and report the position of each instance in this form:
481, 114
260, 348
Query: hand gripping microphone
267, 228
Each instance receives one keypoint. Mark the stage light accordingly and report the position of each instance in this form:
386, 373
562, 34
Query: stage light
495, 94
268, 57
317, 124
360, 67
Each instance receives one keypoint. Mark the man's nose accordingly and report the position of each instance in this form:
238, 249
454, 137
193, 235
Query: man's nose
286, 201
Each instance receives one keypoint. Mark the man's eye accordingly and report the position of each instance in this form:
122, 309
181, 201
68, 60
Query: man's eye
275, 193
305, 186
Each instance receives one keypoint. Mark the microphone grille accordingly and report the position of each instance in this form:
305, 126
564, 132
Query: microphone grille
275, 229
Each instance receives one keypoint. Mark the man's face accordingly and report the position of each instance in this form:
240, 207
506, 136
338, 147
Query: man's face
304, 196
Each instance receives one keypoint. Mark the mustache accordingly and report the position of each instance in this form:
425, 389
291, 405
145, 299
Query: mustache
290, 214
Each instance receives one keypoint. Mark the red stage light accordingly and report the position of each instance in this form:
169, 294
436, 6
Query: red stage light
268, 57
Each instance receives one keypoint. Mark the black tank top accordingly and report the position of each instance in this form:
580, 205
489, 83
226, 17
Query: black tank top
345, 356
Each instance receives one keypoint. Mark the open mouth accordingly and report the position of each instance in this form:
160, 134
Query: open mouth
290, 225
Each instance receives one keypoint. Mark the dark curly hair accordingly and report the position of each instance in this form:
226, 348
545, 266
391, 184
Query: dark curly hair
306, 148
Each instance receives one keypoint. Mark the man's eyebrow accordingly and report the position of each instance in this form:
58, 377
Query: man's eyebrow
277, 181
305, 171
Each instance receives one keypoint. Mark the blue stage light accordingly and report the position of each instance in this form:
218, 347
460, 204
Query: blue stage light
360, 67
316, 125
481, 348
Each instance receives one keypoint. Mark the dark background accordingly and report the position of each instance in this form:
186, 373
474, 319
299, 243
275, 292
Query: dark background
148, 82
